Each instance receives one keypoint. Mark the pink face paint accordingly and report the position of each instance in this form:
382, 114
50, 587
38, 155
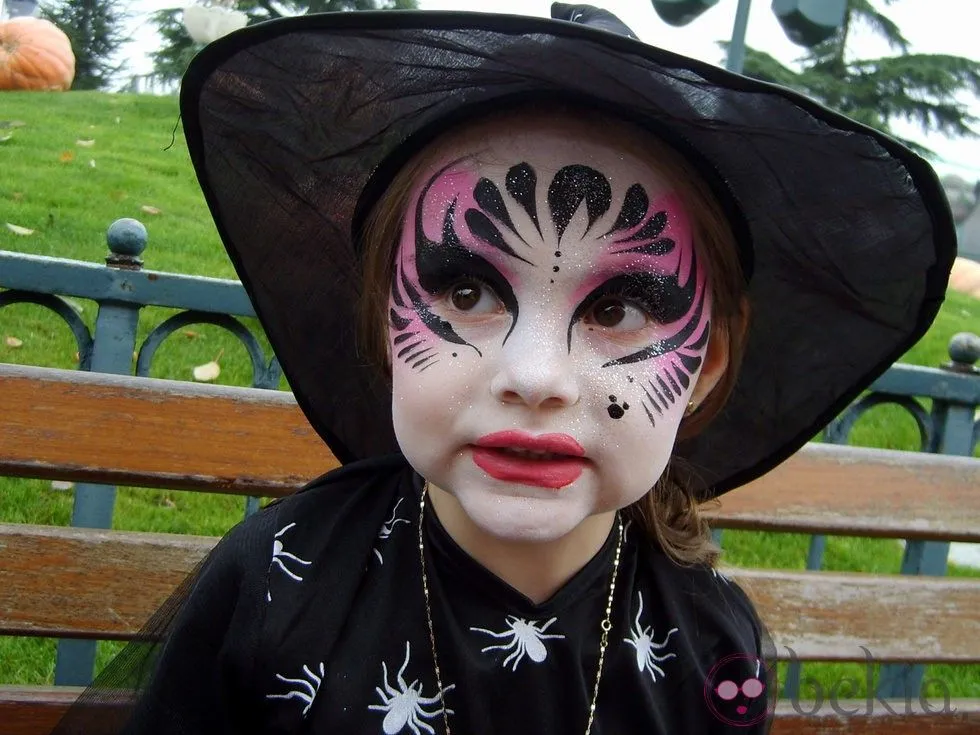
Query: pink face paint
539, 227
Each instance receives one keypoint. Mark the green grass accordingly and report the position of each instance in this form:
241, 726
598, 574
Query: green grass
140, 160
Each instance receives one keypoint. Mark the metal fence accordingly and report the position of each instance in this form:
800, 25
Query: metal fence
942, 401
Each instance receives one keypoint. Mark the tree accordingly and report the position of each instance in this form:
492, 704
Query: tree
177, 50
925, 89
95, 29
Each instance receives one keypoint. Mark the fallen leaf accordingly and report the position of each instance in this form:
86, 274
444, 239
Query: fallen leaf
118, 120
85, 142
67, 156
78, 356
18, 230
168, 503
12, 124
5, 138
91, 163
61, 485
13, 342
17, 196
190, 334
147, 209
117, 195
207, 372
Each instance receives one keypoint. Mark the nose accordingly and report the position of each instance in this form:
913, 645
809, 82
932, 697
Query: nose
535, 369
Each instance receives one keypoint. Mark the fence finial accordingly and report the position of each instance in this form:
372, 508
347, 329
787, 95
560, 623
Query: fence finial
127, 241
964, 351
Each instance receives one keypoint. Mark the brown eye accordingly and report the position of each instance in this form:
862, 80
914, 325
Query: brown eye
466, 296
617, 314
609, 313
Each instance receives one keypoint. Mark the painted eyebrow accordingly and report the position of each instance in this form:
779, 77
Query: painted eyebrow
440, 264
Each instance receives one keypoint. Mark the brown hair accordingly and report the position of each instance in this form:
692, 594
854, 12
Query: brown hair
670, 513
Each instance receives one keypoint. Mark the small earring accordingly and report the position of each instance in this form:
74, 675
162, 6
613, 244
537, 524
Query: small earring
691, 408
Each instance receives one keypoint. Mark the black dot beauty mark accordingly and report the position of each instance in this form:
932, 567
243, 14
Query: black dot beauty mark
455, 355
615, 410
558, 253
556, 269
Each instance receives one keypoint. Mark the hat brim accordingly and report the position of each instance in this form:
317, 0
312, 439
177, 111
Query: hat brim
292, 125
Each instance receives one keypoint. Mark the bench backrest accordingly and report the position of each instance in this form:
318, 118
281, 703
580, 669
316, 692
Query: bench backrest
65, 424
71, 582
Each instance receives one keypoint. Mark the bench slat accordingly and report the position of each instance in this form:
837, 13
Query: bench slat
84, 583
962, 719
887, 493
829, 616
62, 424
87, 583
35, 710
74, 425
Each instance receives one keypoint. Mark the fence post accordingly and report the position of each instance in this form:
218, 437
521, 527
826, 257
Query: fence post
955, 423
112, 352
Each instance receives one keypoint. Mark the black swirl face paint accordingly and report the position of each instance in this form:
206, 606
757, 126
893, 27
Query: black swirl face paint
502, 230
545, 286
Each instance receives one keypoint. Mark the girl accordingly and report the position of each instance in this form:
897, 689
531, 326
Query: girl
553, 238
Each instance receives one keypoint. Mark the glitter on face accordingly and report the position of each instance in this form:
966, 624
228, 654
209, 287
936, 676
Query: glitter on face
542, 349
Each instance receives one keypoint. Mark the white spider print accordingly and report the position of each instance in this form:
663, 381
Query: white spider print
279, 553
306, 688
405, 706
525, 639
388, 527
641, 639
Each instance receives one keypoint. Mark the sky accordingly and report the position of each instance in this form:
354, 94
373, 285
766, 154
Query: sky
931, 26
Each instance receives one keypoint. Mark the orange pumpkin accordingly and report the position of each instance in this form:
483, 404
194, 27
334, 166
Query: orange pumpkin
35, 54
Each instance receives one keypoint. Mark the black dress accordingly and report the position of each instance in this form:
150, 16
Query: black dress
309, 617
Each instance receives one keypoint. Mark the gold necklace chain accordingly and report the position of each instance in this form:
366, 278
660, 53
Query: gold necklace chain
606, 624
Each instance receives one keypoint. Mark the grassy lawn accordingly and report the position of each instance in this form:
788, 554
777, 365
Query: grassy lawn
75, 162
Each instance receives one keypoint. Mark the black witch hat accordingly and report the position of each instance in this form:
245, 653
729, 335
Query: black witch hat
295, 127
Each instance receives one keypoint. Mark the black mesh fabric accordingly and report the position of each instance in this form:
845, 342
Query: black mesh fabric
295, 126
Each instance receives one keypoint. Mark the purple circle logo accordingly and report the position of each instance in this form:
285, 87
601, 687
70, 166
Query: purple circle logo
736, 690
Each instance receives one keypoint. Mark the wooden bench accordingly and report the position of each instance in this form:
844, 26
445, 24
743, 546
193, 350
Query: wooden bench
80, 583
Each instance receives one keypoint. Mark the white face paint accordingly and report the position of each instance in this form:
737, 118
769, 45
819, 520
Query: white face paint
546, 298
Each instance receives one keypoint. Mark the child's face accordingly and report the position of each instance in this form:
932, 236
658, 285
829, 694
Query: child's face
546, 286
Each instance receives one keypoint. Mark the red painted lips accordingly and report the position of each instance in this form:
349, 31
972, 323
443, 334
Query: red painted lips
547, 460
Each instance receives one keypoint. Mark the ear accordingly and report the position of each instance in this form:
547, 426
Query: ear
713, 366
